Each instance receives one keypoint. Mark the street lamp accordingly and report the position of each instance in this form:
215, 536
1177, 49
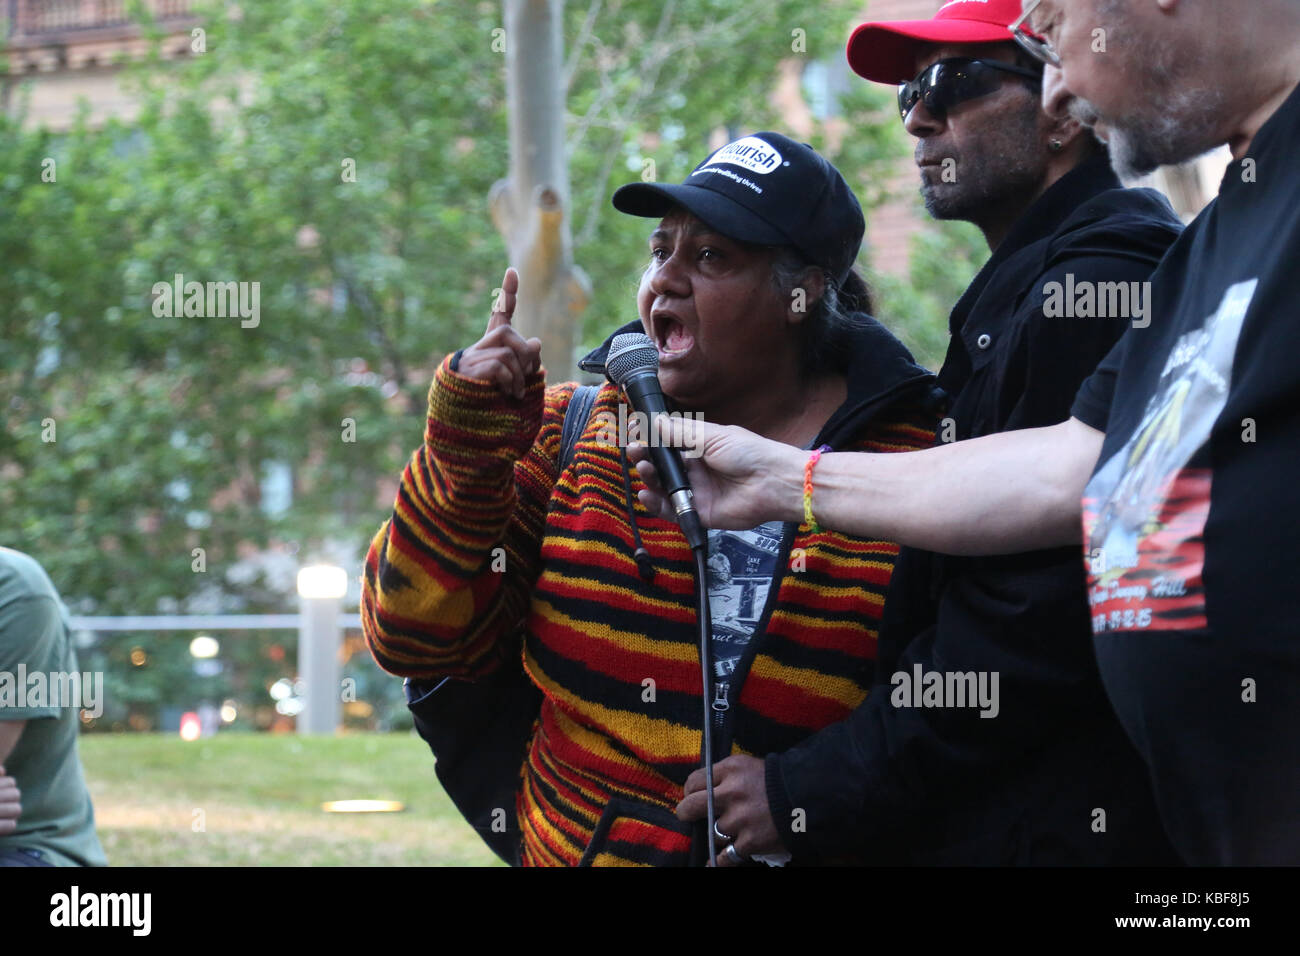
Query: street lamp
322, 581
320, 591
204, 647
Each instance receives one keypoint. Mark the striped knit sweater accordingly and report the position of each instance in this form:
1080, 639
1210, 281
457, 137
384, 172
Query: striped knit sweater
489, 555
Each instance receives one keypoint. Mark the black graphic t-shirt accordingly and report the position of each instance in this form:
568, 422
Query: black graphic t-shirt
1192, 518
741, 566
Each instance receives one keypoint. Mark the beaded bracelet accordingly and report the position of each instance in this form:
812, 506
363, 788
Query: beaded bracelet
813, 458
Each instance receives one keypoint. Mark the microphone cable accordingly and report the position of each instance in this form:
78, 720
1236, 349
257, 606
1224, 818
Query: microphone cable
632, 363
706, 672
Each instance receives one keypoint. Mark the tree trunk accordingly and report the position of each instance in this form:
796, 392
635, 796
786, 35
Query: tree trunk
531, 208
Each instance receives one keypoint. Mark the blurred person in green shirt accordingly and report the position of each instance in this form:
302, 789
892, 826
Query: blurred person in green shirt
46, 818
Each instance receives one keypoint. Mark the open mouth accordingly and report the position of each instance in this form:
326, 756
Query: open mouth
671, 337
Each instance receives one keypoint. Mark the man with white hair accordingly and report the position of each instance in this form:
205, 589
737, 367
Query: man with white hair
1183, 447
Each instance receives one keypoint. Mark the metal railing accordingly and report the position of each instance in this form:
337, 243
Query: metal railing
42, 18
200, 622
320, 625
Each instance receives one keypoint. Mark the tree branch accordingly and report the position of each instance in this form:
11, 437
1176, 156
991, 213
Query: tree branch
651, 67
584, 37
366, 306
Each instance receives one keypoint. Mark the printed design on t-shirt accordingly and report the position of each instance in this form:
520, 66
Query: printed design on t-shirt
741, 567
1144, 511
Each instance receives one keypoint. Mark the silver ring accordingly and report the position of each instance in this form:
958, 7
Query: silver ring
719, 834
733, 856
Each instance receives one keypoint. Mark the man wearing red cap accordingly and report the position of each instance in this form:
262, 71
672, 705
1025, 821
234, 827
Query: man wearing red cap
1044, 774
1182, 449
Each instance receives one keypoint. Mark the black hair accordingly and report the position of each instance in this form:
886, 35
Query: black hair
832, 317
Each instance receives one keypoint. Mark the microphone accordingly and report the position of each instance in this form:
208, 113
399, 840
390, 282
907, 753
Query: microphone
633, 364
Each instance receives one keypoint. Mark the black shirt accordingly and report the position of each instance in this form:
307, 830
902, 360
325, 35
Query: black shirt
1192, 518
1010, 364
946, 785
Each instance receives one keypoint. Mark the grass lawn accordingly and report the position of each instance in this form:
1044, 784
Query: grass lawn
260, 796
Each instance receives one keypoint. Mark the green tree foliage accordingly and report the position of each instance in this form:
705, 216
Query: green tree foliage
943, 259
339, 154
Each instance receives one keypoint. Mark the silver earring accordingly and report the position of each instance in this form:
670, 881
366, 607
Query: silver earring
1057, 146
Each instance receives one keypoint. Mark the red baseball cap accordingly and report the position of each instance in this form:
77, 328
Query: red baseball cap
886, 52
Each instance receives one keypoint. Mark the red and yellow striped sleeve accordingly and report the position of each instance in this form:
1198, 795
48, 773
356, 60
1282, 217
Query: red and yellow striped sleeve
448, 578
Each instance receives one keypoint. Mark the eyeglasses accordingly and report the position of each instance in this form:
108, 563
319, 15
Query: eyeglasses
1040, 48
947, 83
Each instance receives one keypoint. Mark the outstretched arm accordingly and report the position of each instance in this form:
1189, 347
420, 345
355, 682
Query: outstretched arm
1000, 494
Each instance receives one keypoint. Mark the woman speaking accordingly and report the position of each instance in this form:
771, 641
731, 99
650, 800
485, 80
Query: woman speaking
504, 556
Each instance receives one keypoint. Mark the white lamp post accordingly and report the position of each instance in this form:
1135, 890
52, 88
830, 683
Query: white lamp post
320, 591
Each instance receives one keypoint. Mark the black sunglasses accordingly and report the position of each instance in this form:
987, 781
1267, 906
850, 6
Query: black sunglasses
945, 84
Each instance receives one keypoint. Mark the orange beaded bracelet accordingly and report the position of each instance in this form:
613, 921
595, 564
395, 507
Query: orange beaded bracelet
813, 458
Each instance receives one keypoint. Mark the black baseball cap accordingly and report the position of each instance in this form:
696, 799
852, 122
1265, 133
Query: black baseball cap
768, 190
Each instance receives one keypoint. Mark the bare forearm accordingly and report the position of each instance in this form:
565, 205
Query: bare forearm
1017, 491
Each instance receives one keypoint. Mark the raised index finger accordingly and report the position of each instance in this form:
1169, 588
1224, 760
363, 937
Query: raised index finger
504, 307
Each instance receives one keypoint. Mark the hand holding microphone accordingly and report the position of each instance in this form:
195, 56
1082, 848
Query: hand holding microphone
736, 480
633, 364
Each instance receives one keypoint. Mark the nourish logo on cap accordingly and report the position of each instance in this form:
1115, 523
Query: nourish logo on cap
749, 153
